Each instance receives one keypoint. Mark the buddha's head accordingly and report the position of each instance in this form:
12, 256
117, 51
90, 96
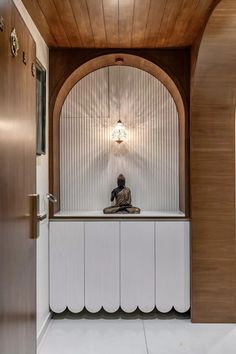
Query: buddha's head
121, 181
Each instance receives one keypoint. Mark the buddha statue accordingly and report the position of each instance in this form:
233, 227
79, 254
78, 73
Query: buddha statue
122, 197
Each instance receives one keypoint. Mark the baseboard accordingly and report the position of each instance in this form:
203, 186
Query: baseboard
43, 328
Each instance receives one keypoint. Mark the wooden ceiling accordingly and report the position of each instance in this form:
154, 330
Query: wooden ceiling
119, 23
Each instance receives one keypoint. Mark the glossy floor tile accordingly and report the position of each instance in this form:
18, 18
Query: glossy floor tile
183, 337
137, 336
98, 336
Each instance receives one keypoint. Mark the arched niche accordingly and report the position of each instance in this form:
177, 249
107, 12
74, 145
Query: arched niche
148, 156
65, 86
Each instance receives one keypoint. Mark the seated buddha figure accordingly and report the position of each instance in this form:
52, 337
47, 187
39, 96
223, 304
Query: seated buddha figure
122, 197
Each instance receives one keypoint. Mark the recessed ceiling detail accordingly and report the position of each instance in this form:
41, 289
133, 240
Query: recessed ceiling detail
119, 23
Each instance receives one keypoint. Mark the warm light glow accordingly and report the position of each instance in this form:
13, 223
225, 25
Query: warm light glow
119, 133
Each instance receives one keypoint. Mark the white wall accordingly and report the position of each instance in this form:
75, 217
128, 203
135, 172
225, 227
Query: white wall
91, 161
42, 53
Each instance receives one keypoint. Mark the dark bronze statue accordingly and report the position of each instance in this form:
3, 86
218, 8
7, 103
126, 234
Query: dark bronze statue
122, 196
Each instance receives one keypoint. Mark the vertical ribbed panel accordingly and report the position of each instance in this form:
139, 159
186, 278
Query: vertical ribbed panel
91, 161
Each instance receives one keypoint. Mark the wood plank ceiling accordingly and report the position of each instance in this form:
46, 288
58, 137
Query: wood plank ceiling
119, 23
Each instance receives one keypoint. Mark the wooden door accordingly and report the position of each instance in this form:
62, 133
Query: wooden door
17, 181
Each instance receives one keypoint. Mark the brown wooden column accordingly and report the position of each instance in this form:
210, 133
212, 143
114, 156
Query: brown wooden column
213, 169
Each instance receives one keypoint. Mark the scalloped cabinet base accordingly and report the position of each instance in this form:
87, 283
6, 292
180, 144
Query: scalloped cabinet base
119, 264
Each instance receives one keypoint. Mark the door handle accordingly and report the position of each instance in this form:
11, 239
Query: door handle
35, 217
51, 198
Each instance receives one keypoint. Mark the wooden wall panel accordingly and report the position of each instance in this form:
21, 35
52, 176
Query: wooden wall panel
213, 169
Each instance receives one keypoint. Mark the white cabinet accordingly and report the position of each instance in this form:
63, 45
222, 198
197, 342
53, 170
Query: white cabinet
137, 266
67, 266
172, 266
112, 264
102, 275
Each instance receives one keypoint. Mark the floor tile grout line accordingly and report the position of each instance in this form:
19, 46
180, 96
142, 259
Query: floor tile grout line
145, 337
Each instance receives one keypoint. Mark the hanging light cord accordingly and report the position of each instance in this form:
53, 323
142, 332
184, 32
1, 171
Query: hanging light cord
119, 93
108, 92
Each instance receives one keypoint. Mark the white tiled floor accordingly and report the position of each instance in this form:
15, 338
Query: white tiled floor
137, 336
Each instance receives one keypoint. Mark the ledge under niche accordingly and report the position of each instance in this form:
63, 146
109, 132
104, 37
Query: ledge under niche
99, 214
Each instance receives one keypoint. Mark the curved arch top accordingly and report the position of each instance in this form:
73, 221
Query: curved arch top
66, 82
128, 60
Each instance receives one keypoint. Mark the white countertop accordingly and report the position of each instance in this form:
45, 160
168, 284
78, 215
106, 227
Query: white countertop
98, 214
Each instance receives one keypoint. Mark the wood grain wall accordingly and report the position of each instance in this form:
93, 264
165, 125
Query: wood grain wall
213, 169
170, 66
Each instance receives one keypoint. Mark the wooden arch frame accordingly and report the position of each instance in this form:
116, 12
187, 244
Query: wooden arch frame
63, 88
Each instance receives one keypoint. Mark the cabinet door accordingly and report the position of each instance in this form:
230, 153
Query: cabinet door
137, 266
172, 266
66, 266
102, 288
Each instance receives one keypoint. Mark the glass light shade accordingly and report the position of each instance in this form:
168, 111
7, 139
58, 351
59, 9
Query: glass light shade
119, 133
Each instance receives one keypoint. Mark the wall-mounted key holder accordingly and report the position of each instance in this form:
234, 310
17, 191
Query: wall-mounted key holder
24, 58
14, 43
33, 69
1, 23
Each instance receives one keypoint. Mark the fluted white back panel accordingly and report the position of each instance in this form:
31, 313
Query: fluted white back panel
91, 161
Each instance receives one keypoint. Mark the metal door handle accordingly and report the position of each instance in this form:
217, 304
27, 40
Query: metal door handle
51, 198
35, 217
